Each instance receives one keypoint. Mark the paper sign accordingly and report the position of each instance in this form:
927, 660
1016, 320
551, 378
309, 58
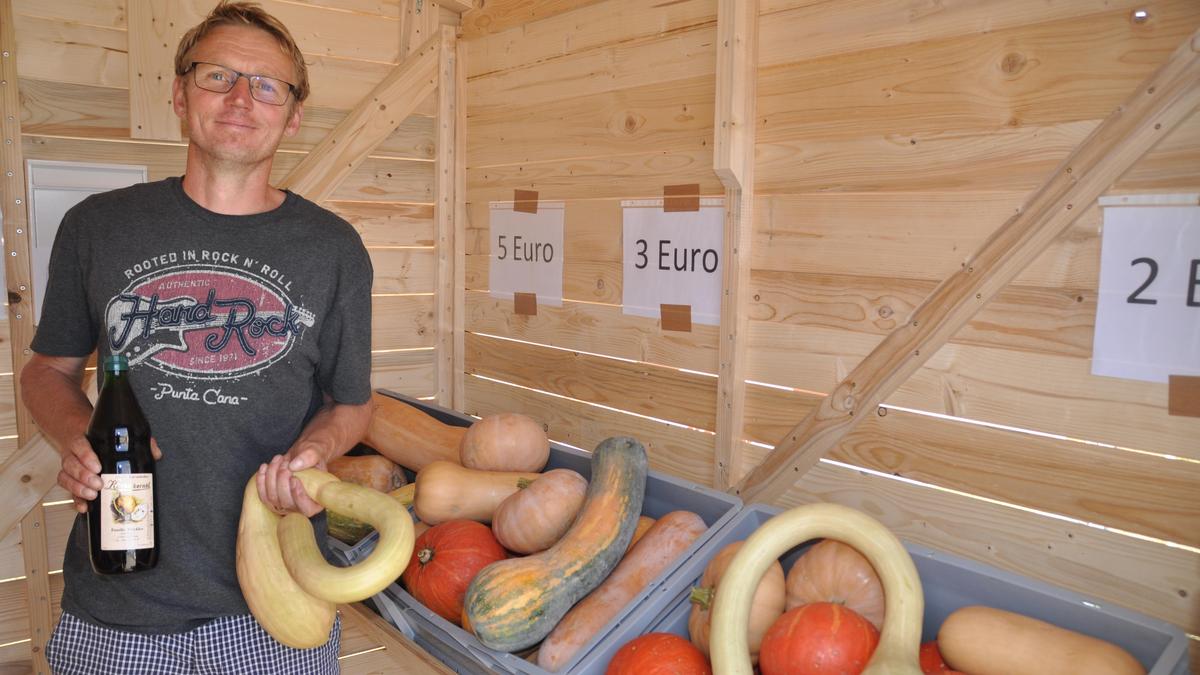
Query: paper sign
673, 259
527, 252
1148, 314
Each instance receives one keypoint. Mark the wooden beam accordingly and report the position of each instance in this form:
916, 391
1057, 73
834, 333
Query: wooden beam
1158, 105
733, 160
450, 230
459, 6
154, 32
459, 399
418, 24
37, 584
407, 656
365, 127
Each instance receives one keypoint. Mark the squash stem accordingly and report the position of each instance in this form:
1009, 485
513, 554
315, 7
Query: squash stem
425, 555
701, 596
523, 483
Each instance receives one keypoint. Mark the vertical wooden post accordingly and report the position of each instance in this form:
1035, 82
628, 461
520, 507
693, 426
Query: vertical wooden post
733, 161
154, 32
418, 23
460, 225
20, 321
448, 300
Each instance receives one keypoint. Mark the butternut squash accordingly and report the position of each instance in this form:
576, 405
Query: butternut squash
447, 491
409, 436
374, 471
662, 545
531, 520
987, 641
900, 639
513, 604
290, 588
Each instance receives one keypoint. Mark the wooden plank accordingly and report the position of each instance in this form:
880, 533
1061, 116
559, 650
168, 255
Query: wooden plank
450, 229
1159, 105
655, 391
599, 329
1144, 576
29, 473
403, 654
153, 35
1027, 390
59, 518
461, 223
923, 235
1025, 76
1010, 159
1146, 495
402, 321
387, 224
799, 30
14, 611
318, 175
410, 372
81, 111
1022, 318
633, 176
682, 452
377, 179
403, 270
67, 52
14, 213
733, 161
678, 56
673, 116
418, 25
37, 585
16, 659
498, 15
585, 280
583, 29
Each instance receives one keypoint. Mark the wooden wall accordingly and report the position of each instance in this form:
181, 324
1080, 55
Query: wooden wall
892, 139
73, 67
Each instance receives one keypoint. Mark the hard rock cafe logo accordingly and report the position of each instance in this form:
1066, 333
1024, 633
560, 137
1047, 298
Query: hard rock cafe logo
204, 321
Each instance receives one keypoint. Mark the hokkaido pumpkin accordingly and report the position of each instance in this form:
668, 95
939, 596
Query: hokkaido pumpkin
821, 638
765, 608
447, 491
410, 436
513, 604
831, 571
445, 558
505, 442
531, 520
658, 654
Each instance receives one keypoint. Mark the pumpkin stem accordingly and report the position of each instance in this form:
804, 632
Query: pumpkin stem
523, 483
425, 555
702, 596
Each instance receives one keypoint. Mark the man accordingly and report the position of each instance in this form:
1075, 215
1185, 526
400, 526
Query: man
245, 315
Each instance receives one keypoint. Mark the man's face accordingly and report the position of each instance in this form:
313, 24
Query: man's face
233, 128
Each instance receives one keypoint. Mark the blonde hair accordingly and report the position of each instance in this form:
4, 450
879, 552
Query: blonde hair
244, 14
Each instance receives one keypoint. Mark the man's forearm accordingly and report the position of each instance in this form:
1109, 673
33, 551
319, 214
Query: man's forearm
56, 401
335, 429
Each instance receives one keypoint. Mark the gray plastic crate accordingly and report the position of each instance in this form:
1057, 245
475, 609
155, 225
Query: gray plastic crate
464, 654
949, 582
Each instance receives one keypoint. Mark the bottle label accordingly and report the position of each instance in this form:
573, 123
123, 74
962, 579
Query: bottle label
126, 511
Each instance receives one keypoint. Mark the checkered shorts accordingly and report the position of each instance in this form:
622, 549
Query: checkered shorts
232, 644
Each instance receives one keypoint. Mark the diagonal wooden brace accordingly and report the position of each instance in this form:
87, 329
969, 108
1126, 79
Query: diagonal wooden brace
368, 125
1158, 105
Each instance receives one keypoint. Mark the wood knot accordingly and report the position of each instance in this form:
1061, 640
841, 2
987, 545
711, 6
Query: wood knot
26, 478
1012, 63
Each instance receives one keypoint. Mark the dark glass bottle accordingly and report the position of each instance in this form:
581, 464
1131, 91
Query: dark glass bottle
122, 530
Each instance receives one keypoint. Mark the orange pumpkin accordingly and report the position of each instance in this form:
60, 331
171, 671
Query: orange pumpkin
821, 638
658, 654
534, 518
505, 442
832, 571
445, 559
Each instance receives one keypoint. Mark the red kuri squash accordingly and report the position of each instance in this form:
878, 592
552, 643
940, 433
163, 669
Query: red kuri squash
445, 559
658, 654
822, 638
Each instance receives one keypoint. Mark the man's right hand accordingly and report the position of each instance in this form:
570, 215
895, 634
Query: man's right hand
80, 473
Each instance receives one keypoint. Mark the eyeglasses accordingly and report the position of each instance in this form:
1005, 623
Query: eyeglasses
219, 79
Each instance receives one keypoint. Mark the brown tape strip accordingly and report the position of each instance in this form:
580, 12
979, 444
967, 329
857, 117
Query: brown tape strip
681, 197
525, 303
1183, 396
525, 201
676, 317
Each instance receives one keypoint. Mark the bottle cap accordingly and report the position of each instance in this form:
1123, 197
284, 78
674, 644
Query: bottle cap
116, 363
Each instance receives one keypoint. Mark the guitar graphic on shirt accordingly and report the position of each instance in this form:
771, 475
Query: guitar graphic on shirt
141, 326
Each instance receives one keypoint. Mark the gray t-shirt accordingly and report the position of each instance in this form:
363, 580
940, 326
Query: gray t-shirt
234, 327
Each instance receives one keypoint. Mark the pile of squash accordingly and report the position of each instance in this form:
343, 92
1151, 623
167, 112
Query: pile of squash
851, 604
520, 556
